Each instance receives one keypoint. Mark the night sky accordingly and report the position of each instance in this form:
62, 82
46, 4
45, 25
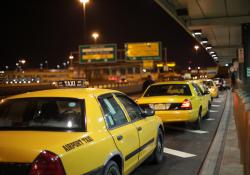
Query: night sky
50, 29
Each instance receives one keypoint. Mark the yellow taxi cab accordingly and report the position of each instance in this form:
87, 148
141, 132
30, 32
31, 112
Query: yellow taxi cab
213, 89
176, 101
76, 131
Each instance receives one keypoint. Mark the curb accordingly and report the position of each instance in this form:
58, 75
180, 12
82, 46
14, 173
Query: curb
213, 159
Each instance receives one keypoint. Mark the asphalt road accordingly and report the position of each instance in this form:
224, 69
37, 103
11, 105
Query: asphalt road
186, 149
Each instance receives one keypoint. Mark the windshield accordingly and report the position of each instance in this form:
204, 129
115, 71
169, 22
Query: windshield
168, 89
42, 114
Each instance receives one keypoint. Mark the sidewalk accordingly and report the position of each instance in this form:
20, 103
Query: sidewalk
230, 164
224, 155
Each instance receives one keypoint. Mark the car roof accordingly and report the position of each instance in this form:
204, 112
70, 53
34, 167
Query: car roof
79, 93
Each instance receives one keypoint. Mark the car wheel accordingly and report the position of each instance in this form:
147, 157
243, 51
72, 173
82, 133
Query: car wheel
111, 168
157, 155
197, 123
208, 114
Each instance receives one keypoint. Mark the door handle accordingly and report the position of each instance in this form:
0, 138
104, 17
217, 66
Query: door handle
120, 137
139, 128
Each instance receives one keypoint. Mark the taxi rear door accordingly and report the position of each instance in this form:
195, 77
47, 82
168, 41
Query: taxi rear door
200, 99
124, 133
146, 127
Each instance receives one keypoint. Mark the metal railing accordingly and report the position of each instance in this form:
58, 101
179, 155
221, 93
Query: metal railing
241, 99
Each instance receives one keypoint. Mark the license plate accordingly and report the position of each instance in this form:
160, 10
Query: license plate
162, 106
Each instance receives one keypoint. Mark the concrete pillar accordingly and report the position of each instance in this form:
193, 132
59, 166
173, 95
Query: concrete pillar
246, 46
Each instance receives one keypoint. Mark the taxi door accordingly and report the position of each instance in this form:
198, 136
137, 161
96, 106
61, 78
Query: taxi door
125, 134
204, 101
146, 127
199, 99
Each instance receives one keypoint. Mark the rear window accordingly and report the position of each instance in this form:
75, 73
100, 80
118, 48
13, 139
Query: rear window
42, 114
208, 83
168, 89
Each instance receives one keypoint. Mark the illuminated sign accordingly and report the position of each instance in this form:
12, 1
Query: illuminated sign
248, 71
148, 64
159, 65
143, 51
97, 53
171, 64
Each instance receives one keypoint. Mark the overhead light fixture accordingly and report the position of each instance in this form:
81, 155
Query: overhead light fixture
211, 52
213, 55
208, 46
204, 40
196, 32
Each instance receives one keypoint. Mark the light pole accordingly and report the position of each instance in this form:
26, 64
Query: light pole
71, 57
84, 2
22, 62
95, 35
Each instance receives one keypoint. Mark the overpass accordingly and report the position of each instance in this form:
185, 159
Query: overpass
225, 24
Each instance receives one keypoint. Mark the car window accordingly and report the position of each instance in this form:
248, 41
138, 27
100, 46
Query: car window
201, 88
131, 107
197, 89
208, 83
168, 89
114, 116
42, 114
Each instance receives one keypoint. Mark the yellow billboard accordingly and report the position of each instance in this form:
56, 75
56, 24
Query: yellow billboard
143, 51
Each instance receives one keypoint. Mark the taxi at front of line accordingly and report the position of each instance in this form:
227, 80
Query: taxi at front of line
175, 101
76, 131
213, 89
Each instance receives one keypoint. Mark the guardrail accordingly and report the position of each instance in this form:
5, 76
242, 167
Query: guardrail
128, 88
242, 120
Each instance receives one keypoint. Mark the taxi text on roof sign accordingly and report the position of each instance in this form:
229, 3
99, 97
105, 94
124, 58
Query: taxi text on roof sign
98, 53
143, 51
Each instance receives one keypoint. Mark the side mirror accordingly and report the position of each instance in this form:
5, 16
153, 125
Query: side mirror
148, 112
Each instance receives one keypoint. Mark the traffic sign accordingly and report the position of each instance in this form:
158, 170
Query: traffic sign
98, 53
248, 71
143, 51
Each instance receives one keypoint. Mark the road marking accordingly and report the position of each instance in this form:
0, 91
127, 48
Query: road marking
189, 130
178, 153
210, 119
215, 105
213, 110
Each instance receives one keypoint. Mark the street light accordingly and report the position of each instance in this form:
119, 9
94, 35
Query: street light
22, 61
196, 47
95, 35
84, 2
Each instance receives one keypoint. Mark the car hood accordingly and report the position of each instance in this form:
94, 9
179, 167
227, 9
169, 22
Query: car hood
25, 146
163, 99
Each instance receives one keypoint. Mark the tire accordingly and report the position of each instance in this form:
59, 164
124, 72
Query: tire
157, 155
197, 123
208, 114
111, 168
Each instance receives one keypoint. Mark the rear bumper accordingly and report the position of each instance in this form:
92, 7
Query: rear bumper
176, 116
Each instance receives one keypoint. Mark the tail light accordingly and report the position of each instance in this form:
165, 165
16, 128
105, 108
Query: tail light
186, 104
47, 163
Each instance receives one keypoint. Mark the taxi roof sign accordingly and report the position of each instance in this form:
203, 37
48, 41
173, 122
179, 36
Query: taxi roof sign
72, 83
